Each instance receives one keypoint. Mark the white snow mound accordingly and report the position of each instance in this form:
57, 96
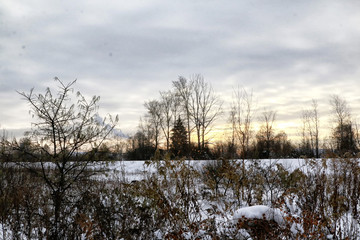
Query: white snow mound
260, 212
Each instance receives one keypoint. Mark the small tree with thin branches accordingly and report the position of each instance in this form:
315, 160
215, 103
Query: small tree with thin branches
65, 136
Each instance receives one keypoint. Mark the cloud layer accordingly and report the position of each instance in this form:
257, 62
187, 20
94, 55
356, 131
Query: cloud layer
287, 52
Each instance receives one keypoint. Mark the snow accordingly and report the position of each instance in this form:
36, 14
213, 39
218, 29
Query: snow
134, 170
224, 215
260, 212
158, 234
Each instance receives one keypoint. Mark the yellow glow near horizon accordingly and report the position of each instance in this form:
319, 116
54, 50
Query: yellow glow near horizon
223, 132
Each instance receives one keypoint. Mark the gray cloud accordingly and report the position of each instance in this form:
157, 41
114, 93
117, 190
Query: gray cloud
126, 52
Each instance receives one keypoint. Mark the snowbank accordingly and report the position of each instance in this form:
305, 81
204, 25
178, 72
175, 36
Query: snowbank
260, 212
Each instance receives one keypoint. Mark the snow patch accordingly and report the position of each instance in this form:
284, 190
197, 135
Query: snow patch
260, 212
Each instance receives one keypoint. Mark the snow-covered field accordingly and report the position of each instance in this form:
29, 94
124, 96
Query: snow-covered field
285, 218
217, 199
136, 170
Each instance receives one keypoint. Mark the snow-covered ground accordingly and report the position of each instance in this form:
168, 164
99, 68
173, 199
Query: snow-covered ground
135, 170
227, 207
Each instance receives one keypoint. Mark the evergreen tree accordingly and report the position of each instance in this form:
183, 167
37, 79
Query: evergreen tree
179, 139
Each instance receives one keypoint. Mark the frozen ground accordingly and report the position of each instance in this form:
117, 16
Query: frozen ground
222, 209
135, 170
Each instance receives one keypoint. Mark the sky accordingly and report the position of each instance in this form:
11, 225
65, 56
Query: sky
286, 52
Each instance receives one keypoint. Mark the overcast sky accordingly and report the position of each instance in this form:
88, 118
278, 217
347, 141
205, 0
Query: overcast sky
287, 52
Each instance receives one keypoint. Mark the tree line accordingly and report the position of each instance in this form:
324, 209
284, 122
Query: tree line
181, 122
193, 105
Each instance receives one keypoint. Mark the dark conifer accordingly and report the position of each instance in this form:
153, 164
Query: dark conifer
179, 139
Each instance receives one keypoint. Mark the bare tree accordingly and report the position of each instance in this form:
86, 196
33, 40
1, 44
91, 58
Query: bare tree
343, 132
241, 117
316, 127
310, 130
232, 121
167, 108
176, 107
266, 134
146, 133
184, 90
67, 134
340, 109
205, 108
306, 132
155, 118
